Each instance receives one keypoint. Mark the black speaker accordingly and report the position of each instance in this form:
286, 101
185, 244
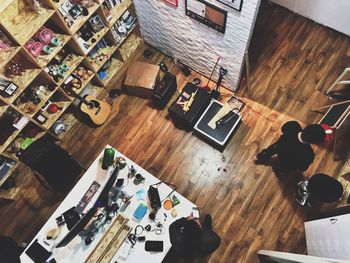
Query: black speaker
154, 198
186, 70
163, 91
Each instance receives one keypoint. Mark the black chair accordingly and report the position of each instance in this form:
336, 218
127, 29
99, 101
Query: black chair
52, 162
319, 188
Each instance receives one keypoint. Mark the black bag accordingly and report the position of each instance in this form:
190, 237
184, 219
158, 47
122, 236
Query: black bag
154, 198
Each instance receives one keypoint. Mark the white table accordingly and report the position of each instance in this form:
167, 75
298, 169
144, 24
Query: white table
77, 251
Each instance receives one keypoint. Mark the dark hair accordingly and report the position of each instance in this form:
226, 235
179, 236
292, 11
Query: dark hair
313, 133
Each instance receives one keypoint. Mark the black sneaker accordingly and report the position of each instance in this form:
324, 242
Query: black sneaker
207, 222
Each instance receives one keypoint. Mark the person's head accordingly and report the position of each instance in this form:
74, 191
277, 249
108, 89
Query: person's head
313, 133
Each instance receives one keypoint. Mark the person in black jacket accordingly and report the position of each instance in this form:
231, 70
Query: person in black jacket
9, 250
191, 239
293, 148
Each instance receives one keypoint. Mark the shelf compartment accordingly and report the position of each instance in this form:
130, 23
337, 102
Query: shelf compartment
59, 99
129, 46
44, 59
118, 11
69, 119
64, 57
35, 95
8, 131
128, 34
115, 66
82, 73
82, 19
30, 133
102, 52
31, 71
59, 32
16, 14
96, 38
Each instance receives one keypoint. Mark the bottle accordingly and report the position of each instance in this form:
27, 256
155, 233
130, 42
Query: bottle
108, 158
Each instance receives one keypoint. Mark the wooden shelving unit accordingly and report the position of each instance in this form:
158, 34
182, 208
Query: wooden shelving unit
37, 84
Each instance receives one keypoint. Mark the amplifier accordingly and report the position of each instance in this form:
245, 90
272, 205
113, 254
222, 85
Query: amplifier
163, 92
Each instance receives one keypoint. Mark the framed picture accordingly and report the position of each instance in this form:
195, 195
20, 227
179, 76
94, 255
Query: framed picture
206, 13
235, 4
172, 2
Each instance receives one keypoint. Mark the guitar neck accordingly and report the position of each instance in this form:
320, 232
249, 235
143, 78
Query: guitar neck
82, 99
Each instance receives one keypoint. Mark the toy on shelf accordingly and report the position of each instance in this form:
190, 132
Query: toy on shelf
83, 73
43, 41
60, 65
15, 68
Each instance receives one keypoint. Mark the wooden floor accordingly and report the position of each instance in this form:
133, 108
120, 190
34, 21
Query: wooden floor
252, 209
294, 61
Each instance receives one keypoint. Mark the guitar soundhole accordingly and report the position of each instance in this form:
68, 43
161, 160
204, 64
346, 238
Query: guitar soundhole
93, 104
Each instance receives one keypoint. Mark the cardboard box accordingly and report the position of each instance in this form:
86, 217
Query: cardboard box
141, 79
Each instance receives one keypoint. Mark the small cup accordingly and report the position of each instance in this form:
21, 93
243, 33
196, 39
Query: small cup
61, 72
64, 67
152, 215
48, 50
138, 179
56, 41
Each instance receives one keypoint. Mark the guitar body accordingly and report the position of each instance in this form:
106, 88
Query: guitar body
98, 111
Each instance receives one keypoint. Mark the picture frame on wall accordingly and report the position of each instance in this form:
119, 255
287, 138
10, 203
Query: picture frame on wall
172, 2
235, 4
207, 13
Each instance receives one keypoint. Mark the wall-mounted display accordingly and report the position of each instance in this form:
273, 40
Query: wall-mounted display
172, 2
207, 14
235, 4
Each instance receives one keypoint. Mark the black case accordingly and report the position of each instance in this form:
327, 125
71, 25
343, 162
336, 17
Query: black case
163, 91
153, 196
188, 119
154, 246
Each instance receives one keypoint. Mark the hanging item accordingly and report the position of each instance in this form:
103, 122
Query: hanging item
206, 13
235, 4
172, 2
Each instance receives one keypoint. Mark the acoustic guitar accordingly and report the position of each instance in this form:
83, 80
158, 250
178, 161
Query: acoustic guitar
97, 111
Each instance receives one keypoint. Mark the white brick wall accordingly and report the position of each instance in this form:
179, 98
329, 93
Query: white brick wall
194, 44
331, 13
